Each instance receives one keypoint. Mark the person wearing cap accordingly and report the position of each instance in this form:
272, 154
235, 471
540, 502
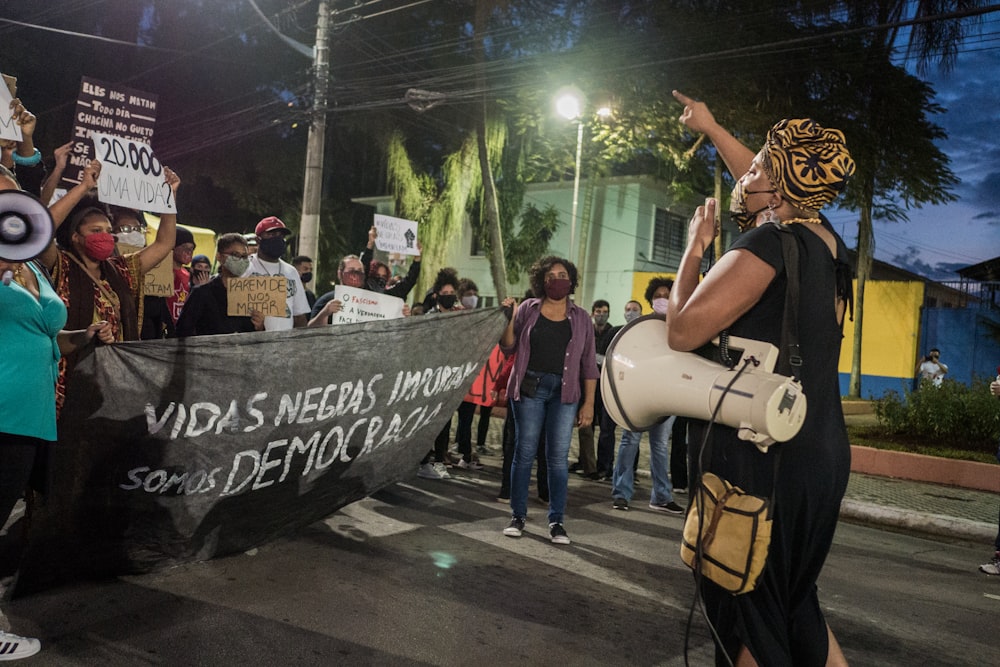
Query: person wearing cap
271, 234
801, 168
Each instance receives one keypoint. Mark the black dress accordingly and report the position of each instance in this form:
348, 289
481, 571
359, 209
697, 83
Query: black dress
781, 622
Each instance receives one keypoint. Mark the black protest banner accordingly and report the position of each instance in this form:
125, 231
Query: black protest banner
181, 450
112, 109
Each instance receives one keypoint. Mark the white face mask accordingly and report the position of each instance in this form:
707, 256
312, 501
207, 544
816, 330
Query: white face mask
135, 239
631, 315
660, 305
469, 301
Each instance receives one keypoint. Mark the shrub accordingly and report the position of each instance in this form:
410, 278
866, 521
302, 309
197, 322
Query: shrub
954, 414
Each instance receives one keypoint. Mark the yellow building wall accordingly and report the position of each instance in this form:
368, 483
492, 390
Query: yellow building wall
639, 283
891, 330
892, 326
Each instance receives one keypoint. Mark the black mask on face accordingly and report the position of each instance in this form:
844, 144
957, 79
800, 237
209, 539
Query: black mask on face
306, 277
446, 301
272, 247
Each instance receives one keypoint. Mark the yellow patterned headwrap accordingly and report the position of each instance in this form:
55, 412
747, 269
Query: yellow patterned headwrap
807, 162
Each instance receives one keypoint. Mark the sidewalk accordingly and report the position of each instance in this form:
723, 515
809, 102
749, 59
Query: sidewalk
920, 507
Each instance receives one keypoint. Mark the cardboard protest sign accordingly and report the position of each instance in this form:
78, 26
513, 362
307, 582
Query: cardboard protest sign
361, 305
396, 235
159, 281
112, 109
131, 175
266, 294
9, 129
181, 450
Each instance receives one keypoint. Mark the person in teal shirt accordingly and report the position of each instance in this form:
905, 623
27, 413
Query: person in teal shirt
31, 320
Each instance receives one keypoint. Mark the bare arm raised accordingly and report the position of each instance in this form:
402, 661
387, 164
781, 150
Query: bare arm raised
698, 118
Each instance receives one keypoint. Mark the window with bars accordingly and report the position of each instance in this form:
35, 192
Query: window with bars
669, 236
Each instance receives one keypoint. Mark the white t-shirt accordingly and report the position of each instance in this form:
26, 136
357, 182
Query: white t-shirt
296, 303
933, 371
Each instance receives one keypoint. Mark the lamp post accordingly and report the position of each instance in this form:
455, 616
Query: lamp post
568, 106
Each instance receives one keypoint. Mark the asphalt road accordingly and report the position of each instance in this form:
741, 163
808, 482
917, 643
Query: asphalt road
420, 574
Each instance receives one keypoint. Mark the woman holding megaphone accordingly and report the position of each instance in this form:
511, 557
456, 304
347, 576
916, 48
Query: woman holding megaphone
801, 168
32, 339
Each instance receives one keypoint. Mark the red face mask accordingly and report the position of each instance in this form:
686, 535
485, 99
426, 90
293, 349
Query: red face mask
99, 246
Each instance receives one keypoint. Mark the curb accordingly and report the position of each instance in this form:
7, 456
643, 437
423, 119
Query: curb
921, 522
922, 468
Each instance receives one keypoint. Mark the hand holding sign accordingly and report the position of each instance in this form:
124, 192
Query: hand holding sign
9, 129
396, 235
132, 176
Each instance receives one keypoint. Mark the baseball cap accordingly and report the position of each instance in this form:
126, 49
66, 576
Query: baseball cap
269, 223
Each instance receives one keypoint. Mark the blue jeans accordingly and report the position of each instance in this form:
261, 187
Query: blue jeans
545, 410
623, 480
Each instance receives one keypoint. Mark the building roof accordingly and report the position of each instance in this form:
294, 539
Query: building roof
988, 271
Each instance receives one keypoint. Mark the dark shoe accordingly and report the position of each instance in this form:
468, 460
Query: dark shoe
671, 507
620, 504
558, 534
577, 468
514, 528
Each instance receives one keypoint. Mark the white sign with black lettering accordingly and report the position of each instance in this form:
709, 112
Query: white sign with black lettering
361, 305
396, 235
131, 175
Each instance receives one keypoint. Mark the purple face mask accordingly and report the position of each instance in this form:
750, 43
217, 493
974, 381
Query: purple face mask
558, 288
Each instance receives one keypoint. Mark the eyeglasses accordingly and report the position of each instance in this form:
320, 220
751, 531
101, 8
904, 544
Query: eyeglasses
237, 255
356, 272
127, 229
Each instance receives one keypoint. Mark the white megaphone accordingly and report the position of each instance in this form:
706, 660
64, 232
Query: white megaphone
25, 226
643, 382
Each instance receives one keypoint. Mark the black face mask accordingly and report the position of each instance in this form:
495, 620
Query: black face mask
446, 301
272, 247
306, 277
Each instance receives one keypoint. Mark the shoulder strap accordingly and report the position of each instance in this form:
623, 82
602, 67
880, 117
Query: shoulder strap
790, 355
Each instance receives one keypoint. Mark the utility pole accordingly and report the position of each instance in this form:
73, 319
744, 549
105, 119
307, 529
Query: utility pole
312, 188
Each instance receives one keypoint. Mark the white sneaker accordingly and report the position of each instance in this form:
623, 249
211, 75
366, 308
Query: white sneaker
13, 647
993, 567
469, 465
428, 471
442, 470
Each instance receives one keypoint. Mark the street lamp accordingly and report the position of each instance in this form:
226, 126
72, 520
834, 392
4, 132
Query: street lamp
568, 105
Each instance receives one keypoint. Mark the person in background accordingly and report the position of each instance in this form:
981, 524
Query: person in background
930, 369
801, 168
201, 270
206, 310
380, 278
446, 290
993, 566
32, 317
304, 265
251, 240
551, 387
468, 299
21, 157
661, 497
272, 236
586, 464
